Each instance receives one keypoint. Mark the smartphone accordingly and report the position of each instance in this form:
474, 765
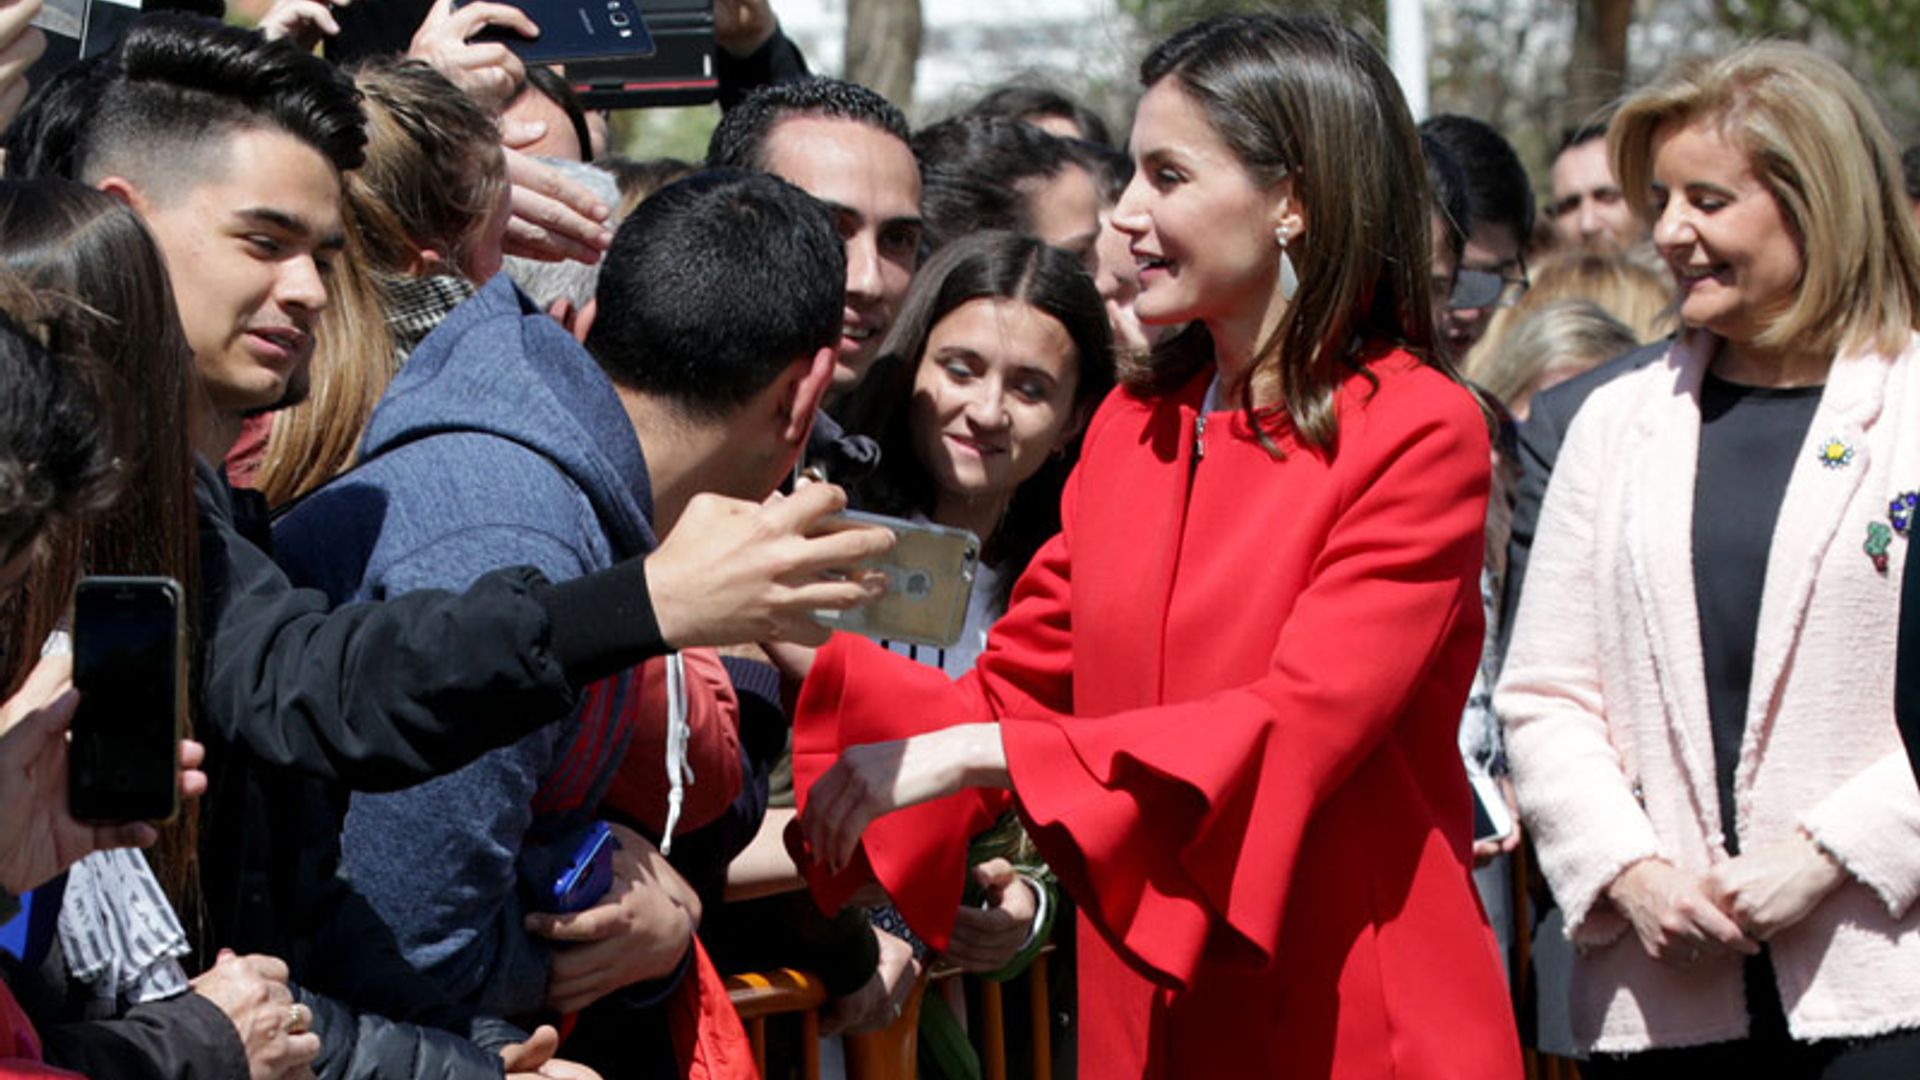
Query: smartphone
588, 875
77, 29
1491, 818
929, 581
679, 71
130, 666
576, 30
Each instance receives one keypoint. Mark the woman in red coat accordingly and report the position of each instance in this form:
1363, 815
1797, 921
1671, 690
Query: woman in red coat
1224, 698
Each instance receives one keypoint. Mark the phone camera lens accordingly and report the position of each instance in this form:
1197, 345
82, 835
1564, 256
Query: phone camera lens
618, 18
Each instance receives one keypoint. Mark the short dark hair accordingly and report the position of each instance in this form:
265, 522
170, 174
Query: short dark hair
1580, 135
1498, 189
54, 456
554, 86
714, 285
970, 171
1030, 101
1910, 165
184, 83
1449, 185
740, 142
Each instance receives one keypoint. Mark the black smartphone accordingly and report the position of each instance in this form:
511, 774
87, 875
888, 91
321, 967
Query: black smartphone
130, 666
572, 30
76, 30
678, 72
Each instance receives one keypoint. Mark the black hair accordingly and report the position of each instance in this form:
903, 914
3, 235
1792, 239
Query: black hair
1111, 169
42, 139
1449, 183
544, 80
1498, 189
1910, 165
984, 266
971, 169
181, 82
1580, 135
1027, 101
54, 456
740, 142
716, 284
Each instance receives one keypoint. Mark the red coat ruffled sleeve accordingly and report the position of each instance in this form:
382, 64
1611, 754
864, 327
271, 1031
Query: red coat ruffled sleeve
1346, 611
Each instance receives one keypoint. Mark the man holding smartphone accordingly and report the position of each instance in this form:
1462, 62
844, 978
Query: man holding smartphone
503, 441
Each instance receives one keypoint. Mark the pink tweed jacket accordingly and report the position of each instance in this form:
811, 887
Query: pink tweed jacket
1605, 704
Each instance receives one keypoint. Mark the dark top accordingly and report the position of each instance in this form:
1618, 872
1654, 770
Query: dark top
1749, 438
1906, 684
1548, 419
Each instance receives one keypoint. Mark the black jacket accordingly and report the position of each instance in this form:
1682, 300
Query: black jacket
300, 704
1548, 419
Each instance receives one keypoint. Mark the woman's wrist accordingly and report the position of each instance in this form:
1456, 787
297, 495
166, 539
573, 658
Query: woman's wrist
985, 754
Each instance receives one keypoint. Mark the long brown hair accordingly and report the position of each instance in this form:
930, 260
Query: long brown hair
88, 255
433, 173
1303, 97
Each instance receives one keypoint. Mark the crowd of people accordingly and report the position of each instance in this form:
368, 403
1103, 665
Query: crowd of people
502, 482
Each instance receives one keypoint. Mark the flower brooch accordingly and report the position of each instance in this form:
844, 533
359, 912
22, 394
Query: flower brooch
1900, 514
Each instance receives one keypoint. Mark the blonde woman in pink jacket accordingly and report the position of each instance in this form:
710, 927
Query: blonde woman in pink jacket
1699, 692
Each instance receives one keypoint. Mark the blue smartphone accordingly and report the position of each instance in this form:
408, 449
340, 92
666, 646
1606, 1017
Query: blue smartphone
589, 874
576, 30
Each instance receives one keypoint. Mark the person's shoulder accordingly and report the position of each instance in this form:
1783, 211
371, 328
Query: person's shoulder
1395, 389
1557, 404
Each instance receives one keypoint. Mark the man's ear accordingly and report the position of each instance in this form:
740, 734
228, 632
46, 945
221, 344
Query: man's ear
127, 192
428, 263
578, 320
809, 388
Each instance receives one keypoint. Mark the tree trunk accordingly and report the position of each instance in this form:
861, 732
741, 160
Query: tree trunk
883, 45
1597, 70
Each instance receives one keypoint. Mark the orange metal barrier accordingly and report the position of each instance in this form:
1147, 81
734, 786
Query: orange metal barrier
889, 1054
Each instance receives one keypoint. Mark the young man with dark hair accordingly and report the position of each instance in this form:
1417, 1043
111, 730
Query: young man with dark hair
503, 441
848, 147
1493, 266
1588, 210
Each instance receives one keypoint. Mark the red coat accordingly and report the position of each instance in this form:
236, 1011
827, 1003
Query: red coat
1229, 692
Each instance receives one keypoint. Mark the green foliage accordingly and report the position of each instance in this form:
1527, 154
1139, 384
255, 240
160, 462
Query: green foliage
651, 133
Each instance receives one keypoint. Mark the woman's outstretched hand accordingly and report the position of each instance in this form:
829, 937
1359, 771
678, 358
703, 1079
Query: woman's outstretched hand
879, 778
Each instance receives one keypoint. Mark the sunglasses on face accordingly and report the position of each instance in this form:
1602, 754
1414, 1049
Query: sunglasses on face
1487, 288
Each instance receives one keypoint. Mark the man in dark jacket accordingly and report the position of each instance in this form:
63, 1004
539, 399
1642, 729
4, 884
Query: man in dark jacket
502, 440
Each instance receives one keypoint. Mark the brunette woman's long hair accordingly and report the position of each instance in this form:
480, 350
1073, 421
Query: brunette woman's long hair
1305, 98
985, 266
88, 257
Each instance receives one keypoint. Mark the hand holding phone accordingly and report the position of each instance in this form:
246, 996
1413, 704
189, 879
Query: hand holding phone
588, 875
487, 71
929, 583
130, 666
570, 30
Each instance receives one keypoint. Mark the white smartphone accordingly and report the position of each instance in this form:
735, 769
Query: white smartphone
1492, 820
